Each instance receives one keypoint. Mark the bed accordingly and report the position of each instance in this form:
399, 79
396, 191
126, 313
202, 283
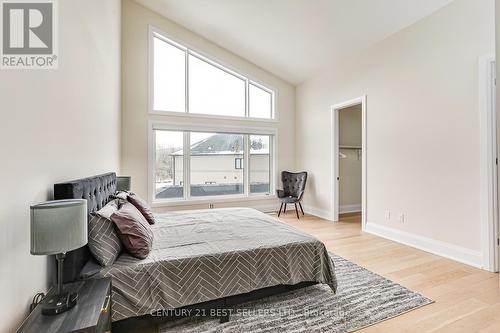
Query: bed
201, 259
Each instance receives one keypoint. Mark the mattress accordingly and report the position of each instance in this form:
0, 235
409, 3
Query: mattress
203, 255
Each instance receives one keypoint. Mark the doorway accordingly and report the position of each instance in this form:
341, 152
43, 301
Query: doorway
349, 151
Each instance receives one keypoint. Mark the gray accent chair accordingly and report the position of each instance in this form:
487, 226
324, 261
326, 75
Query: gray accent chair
294, 185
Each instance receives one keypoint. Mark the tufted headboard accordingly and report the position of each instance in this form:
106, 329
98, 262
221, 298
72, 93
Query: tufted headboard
98, 191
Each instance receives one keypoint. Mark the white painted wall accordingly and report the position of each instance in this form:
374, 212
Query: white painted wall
135, 117
55, 125
423, 125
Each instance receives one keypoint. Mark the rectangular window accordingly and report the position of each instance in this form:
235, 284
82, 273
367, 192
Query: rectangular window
238, 163
260, 163
185, 81
211, 164
169, 165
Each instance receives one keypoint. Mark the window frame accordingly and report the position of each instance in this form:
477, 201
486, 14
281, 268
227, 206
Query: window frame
238, 163
248, 79
187, 199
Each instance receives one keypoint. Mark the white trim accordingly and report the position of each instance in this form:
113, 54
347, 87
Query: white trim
334, 158
324, 214
443, 249
201, 116
350, 209
488, 168
238, 129
214, 61
264, 207
213, 199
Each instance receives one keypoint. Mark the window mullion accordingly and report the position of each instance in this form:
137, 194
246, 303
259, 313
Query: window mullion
246, 168
272, 165
187, 163
186, 81
247, 99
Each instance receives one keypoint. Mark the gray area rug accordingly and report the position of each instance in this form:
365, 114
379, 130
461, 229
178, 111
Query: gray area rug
363, 298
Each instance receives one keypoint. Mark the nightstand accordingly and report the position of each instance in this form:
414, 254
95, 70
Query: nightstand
91, 314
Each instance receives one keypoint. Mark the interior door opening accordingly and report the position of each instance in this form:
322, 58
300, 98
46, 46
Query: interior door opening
349, 159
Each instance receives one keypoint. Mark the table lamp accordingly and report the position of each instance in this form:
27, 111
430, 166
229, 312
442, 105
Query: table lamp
57, 227
123, 183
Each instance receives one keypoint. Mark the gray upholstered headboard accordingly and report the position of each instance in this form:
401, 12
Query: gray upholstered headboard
98, 191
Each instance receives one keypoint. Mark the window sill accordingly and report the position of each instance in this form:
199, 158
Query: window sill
209, 116
209, 200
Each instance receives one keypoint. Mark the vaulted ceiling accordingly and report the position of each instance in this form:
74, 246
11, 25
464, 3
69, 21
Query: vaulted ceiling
294, 39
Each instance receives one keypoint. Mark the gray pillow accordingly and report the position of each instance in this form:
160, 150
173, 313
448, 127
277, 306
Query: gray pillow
103, 240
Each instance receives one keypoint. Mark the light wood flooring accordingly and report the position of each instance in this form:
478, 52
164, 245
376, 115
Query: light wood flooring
466, 299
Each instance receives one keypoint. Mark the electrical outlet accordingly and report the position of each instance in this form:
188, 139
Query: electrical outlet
402, 218
211, 206
387, 215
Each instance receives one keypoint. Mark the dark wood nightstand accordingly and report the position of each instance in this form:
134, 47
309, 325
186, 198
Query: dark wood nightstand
91, 314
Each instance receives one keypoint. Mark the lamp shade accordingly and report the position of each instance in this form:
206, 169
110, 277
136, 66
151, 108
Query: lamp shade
123, 183
58, 226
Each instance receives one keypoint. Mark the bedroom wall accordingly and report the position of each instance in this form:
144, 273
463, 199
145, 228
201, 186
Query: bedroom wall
136, 20
55, 125
423, 129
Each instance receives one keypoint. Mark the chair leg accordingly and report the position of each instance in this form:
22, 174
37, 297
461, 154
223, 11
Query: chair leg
279, 213
300, 205
297, 212
284, 209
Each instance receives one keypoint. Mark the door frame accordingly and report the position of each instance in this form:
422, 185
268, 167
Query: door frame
334, 132
488, 164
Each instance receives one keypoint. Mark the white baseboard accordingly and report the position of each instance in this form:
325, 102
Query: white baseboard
443, 249
324, 214
349, 208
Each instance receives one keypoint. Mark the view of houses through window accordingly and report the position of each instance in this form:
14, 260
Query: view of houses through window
217, 164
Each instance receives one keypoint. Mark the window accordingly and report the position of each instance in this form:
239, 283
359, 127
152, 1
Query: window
169, 165
260, 163
210, 164
260, 103
185, 81
169, 77
212, 157
214, 91
238, 163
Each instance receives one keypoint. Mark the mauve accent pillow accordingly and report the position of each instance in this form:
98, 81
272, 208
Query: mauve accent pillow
142, 206
134, 231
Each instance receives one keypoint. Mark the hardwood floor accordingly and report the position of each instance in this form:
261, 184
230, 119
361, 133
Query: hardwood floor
466, 299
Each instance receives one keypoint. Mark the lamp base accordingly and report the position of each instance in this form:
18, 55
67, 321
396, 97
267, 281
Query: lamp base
56, 304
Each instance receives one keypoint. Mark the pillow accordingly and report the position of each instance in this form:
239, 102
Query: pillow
139, 203
121, 195
109, 208
103, 240
142, 206
134, 231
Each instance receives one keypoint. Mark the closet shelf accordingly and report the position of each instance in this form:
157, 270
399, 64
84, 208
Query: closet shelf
350, 147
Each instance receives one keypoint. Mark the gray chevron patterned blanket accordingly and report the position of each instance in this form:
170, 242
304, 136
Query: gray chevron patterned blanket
203, 255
